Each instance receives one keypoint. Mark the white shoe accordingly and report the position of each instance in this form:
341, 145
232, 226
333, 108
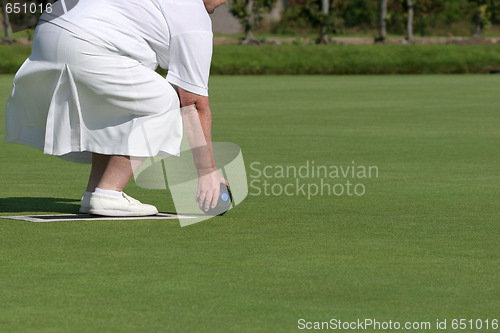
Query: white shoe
110, 205
85, 202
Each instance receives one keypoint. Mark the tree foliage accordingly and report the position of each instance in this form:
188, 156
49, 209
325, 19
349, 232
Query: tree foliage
483, 14
364, 15
249, 13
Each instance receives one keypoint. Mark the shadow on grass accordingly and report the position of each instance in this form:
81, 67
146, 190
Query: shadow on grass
23, 205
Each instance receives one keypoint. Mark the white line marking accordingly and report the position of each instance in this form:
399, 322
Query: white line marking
86, 217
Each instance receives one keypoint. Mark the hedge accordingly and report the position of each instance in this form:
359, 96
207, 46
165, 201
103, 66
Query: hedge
329, 59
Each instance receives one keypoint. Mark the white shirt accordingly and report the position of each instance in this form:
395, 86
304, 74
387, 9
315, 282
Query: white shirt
174, 34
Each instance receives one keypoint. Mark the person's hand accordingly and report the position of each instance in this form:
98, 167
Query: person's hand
209, 189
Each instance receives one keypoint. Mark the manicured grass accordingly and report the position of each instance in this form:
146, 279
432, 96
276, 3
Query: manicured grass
420, 245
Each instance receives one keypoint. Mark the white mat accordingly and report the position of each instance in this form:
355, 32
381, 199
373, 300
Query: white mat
86, 217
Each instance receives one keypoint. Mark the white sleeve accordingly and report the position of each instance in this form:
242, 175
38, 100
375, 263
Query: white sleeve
191, 41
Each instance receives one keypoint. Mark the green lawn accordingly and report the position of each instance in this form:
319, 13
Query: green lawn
420, 245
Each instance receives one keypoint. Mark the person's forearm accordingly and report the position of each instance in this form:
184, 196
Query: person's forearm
205, 116
197, 119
